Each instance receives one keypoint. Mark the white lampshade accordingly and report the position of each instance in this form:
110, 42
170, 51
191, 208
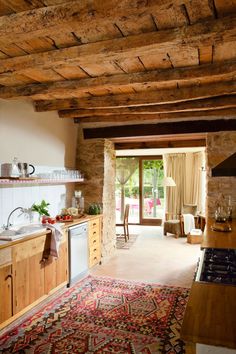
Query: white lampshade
168, 182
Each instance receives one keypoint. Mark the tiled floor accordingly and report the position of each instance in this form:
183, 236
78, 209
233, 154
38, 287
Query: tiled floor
153, 258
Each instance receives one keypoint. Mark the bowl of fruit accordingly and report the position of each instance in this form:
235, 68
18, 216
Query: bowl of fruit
65, 215
64, 218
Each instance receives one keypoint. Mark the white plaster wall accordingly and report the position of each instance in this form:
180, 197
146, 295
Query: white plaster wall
42, 139
38, 138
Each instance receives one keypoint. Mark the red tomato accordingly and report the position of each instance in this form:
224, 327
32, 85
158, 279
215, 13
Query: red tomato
44, 219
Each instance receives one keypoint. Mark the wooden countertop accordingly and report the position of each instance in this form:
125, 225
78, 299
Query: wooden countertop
218, 239
4, 244
210, 316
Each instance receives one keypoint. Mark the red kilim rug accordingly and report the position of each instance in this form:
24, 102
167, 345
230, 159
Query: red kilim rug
103, 315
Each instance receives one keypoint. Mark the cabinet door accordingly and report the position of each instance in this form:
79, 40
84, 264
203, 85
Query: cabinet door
28, 272
62, 261
56, 269
5, 292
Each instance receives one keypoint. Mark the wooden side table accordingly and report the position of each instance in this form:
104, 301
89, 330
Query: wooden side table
200, 222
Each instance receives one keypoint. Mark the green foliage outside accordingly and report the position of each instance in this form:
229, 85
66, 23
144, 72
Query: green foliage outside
131, 187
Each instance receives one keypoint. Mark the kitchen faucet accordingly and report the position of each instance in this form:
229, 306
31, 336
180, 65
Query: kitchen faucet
23, 210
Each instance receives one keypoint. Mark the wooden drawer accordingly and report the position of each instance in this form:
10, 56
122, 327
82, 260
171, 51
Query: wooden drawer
94, 233
5, 256
94, 224
94, 250
94, 258
29, 248
94, 241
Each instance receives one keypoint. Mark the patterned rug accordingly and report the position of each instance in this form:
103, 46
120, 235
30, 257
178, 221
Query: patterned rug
103, 315
121, 244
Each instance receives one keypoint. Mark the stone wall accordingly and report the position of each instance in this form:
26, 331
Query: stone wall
96, 159
219, 146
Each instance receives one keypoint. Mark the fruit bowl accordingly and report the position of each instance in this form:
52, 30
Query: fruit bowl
64, 218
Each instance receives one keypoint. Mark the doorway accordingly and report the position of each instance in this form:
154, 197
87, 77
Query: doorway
151, 190
139, 184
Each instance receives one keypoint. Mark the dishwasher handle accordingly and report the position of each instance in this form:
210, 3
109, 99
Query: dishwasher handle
78, 230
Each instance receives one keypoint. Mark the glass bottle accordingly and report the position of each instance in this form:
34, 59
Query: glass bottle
14, 169
230, 209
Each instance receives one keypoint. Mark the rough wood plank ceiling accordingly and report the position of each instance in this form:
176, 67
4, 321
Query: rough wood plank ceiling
121, 62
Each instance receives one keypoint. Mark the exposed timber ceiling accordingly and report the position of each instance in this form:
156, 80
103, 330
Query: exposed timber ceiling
123, 62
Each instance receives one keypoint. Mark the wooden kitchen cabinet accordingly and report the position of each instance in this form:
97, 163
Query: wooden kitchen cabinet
6, 290
28, 272
28, 275
56, 269
94, 231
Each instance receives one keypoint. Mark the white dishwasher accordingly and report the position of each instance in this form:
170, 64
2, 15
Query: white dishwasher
78, 252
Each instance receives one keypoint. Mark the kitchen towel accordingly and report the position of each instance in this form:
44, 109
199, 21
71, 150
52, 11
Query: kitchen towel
189, 223
56, 237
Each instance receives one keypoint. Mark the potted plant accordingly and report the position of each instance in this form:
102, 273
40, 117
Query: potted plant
41, 209
94, 209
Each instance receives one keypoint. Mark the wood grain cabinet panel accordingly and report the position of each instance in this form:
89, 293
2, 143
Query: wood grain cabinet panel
56, 269
28, 272
6, 288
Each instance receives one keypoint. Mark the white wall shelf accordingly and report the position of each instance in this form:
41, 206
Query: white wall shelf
22, 181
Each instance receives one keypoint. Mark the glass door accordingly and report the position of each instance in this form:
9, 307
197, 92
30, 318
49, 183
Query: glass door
127, 188
152, 190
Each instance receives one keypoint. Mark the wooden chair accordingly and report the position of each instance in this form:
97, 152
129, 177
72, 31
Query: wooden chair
173, 224
125, 223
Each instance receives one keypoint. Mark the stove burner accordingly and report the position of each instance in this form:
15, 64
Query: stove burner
219, 266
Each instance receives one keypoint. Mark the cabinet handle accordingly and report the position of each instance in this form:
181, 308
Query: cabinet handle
94, 232
94, 249
94, 241
8, 276
94, 224
11, 277
94, 258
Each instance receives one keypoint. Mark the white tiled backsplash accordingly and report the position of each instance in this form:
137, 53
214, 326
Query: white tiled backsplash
13, 196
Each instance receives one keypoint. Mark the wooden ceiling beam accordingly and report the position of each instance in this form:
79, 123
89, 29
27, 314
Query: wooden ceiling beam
186, 127
189, 106
217, 71
71, 16
141, 98
200, 34
222, 113
160, 144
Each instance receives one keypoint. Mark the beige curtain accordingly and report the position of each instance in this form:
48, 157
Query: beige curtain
174, 166
186, 171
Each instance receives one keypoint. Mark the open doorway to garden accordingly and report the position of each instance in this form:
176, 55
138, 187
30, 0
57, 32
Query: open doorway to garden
139, 184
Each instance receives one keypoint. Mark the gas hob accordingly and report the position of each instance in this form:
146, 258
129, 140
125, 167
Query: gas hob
217, 265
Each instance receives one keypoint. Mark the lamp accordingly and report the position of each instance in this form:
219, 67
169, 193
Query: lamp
168, 182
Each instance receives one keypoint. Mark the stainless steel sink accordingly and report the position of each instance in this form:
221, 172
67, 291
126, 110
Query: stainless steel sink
23, 231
